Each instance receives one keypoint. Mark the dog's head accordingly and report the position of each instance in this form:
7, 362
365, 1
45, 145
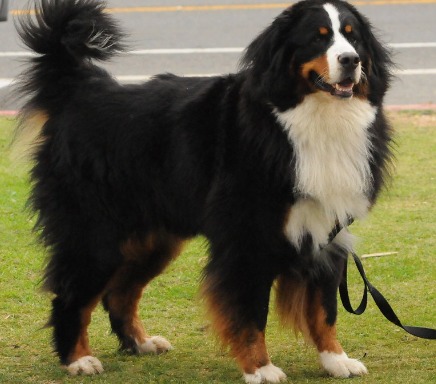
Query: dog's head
317, 46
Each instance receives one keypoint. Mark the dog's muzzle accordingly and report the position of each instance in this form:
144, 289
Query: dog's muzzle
349, 68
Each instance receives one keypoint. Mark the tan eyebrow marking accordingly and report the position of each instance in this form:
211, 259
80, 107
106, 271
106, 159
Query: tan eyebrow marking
323, 31
348, 28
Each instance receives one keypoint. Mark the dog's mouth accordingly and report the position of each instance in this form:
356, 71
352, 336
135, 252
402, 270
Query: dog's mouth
343, 89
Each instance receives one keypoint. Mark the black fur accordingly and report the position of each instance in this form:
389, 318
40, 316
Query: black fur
182, 156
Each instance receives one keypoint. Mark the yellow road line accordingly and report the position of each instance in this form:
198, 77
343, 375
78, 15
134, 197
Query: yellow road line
234, 7
392, 2
190, 8
184, 8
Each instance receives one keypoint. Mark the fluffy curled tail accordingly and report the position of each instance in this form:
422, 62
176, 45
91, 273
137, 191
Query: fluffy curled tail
72, 30
64, 35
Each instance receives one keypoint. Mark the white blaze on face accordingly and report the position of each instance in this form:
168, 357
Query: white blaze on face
340, 45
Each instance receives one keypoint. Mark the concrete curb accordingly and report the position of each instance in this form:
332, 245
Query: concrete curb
411, 107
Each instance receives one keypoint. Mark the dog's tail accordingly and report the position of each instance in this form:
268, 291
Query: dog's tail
64, 36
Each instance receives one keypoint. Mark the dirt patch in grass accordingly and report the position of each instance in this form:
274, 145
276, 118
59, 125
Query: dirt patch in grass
414, 118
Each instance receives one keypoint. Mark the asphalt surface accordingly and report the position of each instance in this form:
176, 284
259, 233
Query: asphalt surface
170, 38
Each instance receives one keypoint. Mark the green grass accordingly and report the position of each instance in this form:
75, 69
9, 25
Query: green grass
404, 221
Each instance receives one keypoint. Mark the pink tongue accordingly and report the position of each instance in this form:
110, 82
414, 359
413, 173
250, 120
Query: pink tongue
344, 89
344, 86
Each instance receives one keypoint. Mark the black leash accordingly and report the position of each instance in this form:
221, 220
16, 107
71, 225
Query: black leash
381, 302
379, 299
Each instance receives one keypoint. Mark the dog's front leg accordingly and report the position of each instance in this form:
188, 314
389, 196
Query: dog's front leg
321, 313
238, 296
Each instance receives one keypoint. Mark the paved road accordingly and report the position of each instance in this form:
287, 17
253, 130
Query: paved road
207, 38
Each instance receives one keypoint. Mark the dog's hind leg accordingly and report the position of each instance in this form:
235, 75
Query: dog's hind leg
70, 322
77, 276
144, 258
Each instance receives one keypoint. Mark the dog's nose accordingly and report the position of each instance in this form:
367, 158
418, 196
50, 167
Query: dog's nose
349, 60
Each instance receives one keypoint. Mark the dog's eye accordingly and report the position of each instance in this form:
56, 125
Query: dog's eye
349, 33
322, 35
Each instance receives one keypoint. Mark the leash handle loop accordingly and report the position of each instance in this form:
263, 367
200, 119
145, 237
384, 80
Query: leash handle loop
380, 301
345, 298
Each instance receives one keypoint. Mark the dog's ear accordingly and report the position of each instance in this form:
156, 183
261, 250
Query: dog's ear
378, 67
267, 61
261, 52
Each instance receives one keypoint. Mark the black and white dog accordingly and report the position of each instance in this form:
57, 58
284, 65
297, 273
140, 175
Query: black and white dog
264, 162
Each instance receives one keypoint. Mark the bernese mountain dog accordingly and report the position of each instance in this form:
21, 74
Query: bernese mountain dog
264, 163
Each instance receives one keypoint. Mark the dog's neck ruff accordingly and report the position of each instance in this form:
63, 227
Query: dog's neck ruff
332, 151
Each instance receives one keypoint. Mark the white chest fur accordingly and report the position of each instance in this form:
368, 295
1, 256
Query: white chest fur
332, 155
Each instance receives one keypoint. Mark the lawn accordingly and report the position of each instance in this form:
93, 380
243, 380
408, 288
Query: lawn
404, 221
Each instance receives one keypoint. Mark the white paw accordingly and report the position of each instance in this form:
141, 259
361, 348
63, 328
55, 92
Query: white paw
339, 365
155, 344
86, 365
268, 373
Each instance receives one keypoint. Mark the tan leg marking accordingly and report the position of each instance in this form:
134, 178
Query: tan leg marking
124, 303
322, 334
291, 304
332, 357
305, 314
81, 360
82, 348
247, 345
249, 350
303, 311
143, 260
